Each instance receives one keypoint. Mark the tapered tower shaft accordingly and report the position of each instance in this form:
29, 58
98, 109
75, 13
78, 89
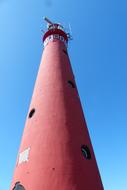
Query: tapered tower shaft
56, 151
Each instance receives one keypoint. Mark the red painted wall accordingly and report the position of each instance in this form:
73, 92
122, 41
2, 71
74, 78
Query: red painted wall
56, 131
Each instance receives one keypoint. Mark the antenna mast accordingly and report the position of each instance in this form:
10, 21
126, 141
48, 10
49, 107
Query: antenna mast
48, 21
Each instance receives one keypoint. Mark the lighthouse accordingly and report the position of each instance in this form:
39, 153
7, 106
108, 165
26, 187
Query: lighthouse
56, 151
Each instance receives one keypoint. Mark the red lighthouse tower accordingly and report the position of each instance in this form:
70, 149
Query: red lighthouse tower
56, 151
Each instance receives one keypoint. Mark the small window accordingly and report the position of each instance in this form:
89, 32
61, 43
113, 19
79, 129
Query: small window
62, 38
31, 113
56, 36
18, 186
50, 37
86, 152
71, 84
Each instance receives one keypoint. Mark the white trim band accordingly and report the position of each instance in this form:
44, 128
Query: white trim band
54, 36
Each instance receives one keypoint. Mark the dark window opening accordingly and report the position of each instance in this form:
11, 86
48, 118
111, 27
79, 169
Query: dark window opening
31, 113
71, 84
65, 51
18, 186
86, 152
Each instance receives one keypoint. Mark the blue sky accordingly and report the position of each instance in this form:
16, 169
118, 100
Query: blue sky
99, 60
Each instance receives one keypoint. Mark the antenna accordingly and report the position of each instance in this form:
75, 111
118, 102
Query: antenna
47, 20
70, 33
70, 29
